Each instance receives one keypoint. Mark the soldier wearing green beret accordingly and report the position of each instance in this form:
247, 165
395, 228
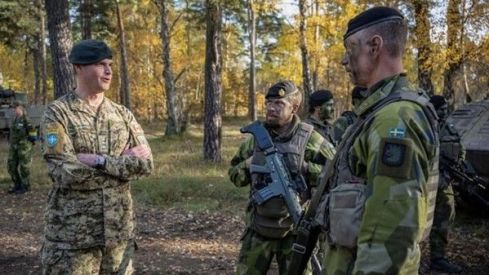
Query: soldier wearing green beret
93, 148
381, 185
22, 137
321, 113
268, 232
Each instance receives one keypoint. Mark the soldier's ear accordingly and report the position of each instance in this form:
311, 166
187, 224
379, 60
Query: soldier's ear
375, 44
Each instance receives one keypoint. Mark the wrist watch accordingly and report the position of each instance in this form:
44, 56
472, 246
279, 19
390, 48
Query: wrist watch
100, 162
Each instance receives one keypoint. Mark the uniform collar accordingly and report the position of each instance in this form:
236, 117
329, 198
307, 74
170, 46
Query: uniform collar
312, 119
379, 91
78, 104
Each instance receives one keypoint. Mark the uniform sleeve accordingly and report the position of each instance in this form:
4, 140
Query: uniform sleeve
239, 173
129, 167
318, 151
395, 151
63, 167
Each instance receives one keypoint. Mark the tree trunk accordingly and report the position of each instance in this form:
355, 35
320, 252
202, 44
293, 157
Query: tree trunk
60, 41
36, 62
306, 73
173, 122
422, 32
125, 83
212, 104
86, 17
252, 39
315, 73
454, 56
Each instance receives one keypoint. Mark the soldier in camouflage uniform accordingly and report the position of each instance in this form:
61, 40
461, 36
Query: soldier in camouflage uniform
93, 148
382, 182
22, 138
321, 113
452, 150
268, 231
347, 118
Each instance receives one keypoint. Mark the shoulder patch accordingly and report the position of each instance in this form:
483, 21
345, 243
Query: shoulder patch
397, 132
395, 159
53, 137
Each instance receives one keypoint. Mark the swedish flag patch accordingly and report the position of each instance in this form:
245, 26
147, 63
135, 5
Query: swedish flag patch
397, 133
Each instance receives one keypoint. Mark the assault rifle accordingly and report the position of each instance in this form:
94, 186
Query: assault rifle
282, 185
467, 180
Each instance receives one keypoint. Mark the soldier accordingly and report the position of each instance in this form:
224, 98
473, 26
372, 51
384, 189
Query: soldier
382, 181
451, 149
269, 226
347, 118
321, 113
22, 138
93, 148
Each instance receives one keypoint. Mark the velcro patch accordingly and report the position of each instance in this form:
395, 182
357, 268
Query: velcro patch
395, 158
53, 137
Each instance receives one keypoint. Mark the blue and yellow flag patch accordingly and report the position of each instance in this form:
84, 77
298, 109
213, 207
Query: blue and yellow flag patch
397, 133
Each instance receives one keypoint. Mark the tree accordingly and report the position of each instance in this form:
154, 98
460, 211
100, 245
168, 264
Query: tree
39, 56
60, 44
306, 73
213, 90
125, 89
454, 54
252, 39
86, 18
173, 125
423, 42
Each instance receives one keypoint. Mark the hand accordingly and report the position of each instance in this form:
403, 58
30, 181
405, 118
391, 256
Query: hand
141, 151
88, 159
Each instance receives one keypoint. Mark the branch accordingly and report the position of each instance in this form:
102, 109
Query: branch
179, 75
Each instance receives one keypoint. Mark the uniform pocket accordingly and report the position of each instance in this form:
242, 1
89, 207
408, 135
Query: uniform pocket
346, 204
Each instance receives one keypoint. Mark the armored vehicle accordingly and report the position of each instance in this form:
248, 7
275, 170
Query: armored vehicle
7, 98
472, 122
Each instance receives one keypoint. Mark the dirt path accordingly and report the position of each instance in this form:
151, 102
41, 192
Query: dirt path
176, 242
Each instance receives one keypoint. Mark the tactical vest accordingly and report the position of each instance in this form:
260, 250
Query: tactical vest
272, 219
450, 147
343, 174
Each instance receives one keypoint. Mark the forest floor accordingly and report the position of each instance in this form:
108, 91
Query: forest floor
189, 219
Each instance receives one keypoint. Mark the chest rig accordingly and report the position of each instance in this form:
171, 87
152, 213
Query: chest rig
339, 171
271, 219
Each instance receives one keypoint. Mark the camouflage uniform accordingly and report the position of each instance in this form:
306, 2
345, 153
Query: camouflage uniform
20, 152
89, 217
346, 119
451, 148
257, 251
395, 154
324, 128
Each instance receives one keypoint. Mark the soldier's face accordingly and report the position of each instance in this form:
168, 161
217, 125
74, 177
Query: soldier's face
279, 111
357, 60
18, 111
442, 112
327, 110
97, 77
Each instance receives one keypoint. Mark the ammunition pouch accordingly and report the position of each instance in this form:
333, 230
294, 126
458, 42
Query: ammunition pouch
271, 219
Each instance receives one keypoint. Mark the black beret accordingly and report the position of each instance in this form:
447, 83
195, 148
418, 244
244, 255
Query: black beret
319, 97
438, 101
281, 89
89, 51
371, 17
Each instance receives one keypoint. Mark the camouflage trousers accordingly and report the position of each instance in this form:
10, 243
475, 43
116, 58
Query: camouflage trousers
19, 163
257, 253
97, 260
442, 221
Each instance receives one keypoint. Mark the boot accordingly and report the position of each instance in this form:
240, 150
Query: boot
443, 265
14, 189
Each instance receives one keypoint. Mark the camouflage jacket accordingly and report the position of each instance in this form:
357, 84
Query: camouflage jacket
19, 130
323, 128
346, 119
89, 207
396, 153
316, 148
451, 149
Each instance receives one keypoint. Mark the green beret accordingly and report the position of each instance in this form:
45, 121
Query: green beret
281, 89
319, 97
89, 51
371, 17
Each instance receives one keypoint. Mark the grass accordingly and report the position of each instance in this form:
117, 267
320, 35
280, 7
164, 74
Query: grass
181, 179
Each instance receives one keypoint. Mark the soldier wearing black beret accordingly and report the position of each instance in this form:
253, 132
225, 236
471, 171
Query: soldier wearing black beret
382, 182
321, 113
269, 230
